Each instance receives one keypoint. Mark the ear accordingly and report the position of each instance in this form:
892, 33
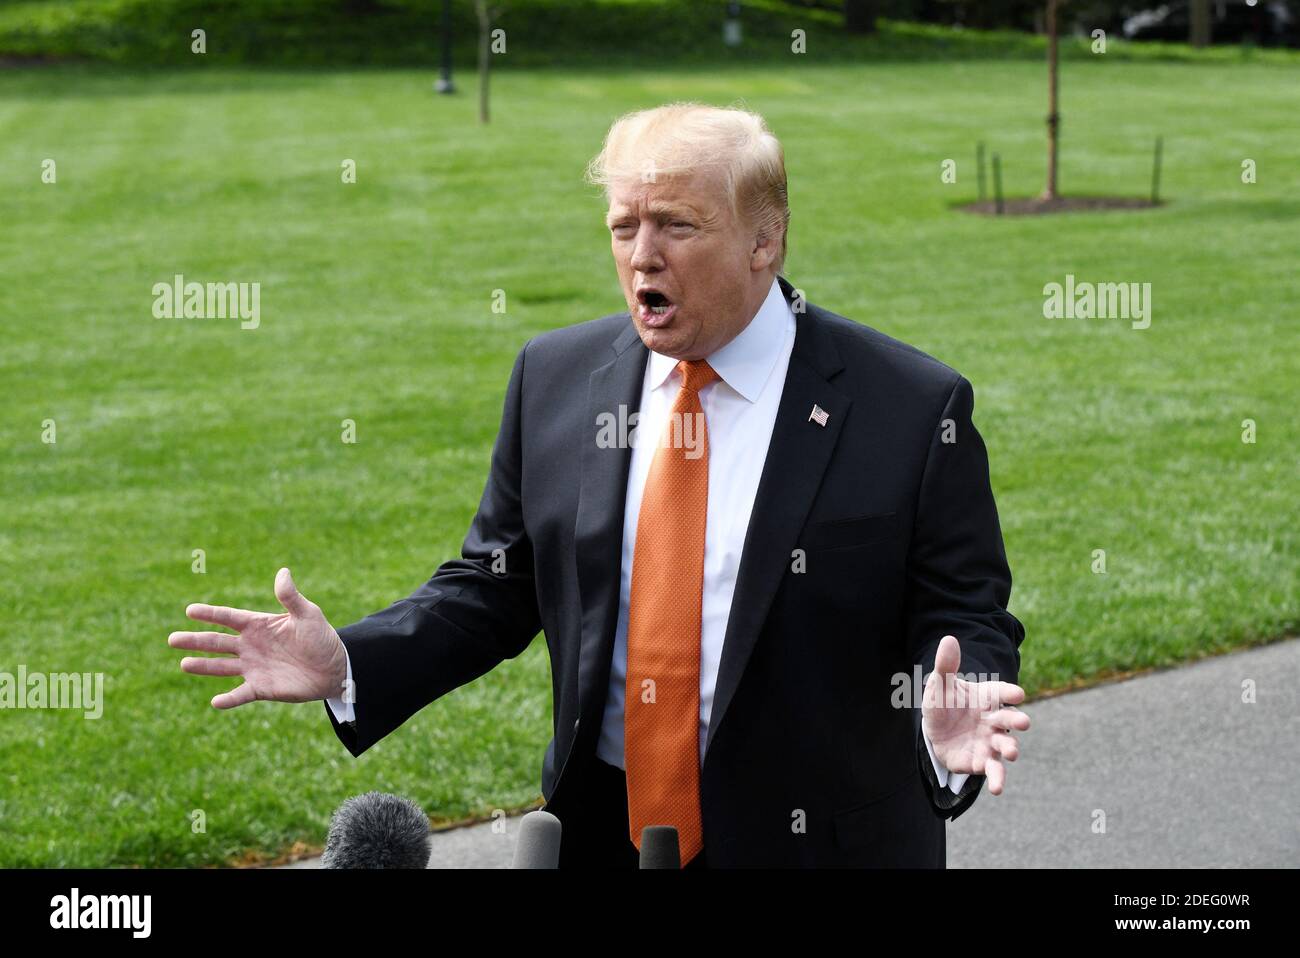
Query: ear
764, 251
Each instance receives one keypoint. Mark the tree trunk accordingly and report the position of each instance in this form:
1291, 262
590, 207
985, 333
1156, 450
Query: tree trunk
1199, 35
860, 16
1053, 117
484, 56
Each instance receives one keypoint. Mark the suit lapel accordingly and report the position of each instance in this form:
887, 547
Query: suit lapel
602, 498
797, 456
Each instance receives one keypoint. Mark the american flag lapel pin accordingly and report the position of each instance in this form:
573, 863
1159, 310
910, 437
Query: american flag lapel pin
818, 415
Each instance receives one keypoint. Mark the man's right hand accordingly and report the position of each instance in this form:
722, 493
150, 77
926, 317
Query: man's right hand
294, 656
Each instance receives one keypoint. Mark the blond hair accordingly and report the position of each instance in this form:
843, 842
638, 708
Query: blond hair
687, 138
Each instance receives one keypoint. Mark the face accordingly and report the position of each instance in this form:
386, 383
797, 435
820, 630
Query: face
693, 276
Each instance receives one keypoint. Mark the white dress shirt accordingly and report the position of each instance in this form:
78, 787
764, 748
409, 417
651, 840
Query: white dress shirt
740, 412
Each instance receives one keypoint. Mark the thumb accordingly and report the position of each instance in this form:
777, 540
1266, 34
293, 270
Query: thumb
288, 595
948, 655
939, 686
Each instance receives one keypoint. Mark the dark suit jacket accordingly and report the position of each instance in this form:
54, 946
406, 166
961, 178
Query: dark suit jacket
807, 763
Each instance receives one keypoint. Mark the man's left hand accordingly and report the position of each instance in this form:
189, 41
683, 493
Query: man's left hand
970, 723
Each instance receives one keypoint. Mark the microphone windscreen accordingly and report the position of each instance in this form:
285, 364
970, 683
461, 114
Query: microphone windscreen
538, 845
659, 848
376, 830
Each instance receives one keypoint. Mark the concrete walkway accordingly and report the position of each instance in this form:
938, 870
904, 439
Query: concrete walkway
1168, 770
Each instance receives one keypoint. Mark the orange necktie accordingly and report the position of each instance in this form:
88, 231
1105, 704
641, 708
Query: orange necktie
661, 707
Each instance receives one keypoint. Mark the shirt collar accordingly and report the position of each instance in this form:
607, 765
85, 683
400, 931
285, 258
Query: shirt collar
746, 362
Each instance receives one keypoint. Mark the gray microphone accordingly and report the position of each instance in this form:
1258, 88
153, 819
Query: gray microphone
376, 830
538, 845
659, 848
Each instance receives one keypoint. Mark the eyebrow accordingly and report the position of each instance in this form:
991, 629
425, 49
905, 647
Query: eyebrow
660, 210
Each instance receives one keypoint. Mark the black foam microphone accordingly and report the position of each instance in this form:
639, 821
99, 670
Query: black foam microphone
538, 845
659, 847
376, 830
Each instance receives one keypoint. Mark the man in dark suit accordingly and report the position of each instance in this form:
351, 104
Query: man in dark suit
743, 524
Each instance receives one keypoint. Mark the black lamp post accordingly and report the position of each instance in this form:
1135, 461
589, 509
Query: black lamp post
731, 26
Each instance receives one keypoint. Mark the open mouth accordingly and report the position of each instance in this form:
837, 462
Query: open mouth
654, 306
656, 300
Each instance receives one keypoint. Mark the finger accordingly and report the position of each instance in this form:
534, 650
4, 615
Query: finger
287, 593
196, 666
237, 619
948, 656
941, 686
996, 775
991, 695
1006, 745
1007, 719
1010, 694
204, 642
234, 698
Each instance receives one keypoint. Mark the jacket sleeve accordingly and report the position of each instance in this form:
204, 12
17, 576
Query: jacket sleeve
958, 581
475, 611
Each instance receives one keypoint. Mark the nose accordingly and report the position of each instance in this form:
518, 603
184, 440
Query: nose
646, 257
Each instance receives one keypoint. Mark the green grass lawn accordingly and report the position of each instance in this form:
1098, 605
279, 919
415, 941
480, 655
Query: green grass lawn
176, 435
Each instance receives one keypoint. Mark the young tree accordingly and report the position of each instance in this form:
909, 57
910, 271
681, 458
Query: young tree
1200, 25
1053, 116
486, 15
